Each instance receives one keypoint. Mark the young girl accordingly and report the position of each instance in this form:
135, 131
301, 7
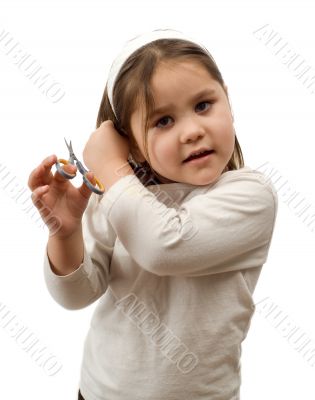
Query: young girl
174, 247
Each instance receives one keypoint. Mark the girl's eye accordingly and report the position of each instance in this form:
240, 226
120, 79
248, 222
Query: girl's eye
162, 119
204, 102
166, 117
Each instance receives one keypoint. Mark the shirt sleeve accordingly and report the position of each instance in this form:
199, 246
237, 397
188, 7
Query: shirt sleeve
227, 228
90, 280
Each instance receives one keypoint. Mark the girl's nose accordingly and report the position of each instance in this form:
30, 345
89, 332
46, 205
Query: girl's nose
191, 130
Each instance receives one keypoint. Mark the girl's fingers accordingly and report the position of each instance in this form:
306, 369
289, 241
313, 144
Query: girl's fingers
83, 189
39, 204
69, 168
42, 175
37, 195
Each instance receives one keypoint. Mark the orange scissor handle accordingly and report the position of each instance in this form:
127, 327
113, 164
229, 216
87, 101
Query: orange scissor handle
84, 172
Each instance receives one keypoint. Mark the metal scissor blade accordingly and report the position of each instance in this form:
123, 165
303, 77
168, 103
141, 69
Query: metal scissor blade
71, 153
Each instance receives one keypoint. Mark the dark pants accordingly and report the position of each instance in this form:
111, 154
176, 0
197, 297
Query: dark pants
80, 397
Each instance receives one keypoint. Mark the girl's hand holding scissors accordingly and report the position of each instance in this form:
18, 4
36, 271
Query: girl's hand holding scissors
57, 200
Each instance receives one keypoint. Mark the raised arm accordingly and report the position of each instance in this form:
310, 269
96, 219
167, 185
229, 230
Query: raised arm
227, 228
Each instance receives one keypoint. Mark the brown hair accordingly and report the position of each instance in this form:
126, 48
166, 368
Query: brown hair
132, 88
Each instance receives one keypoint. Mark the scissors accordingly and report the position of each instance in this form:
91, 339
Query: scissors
74, 161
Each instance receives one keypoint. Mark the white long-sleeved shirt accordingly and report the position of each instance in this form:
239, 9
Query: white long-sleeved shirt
174, 267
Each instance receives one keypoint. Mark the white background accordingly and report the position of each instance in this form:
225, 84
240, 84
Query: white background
76, 41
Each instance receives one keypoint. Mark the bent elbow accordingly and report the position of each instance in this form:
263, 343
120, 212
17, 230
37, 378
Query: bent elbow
71, 300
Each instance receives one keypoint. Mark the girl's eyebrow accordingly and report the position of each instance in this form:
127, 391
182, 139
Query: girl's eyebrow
162, 109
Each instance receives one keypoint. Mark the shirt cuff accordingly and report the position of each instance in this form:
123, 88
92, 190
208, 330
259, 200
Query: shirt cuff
83, 271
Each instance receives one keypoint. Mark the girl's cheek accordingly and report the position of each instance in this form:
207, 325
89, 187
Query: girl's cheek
156, 148
229, 141
161, 155
166, 152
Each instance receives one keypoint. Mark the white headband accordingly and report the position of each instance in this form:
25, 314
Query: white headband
132, 45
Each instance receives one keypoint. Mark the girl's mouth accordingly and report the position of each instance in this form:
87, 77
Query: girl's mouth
199, 158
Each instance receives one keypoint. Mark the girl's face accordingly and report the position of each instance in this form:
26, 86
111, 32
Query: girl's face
188, 122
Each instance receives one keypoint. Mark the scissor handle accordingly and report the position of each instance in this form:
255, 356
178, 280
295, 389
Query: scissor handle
61, 171
83, 171
94, 188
